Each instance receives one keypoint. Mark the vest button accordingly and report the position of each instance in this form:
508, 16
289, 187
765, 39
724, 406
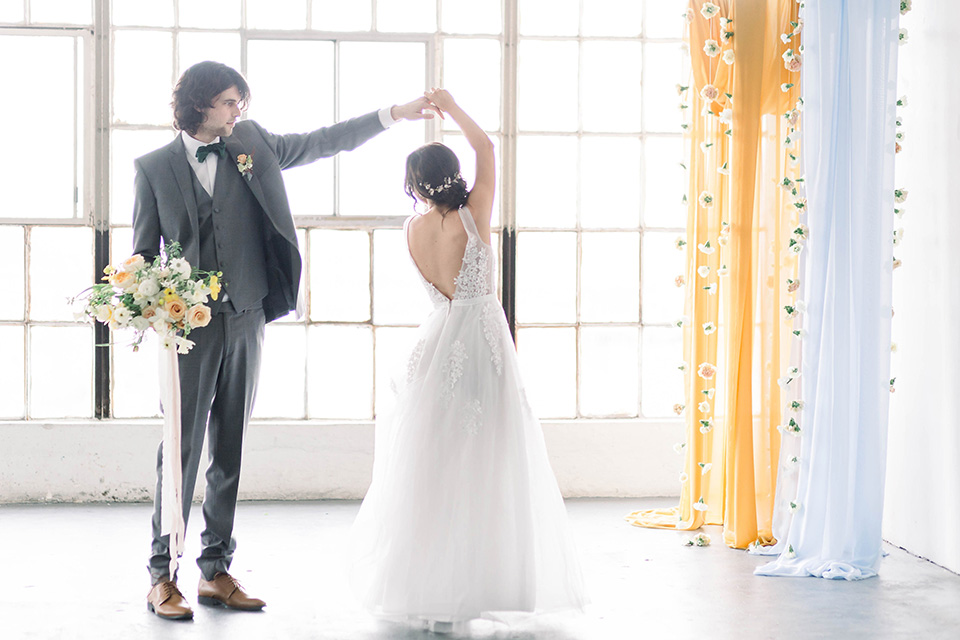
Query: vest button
216, 209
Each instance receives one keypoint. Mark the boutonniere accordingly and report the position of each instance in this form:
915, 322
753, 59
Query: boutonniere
245, 165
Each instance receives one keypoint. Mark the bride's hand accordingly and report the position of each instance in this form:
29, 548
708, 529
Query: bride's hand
441, 98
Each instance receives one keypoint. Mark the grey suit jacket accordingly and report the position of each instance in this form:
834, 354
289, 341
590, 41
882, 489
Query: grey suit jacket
165, 207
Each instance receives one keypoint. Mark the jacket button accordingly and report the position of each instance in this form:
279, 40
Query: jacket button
216, 210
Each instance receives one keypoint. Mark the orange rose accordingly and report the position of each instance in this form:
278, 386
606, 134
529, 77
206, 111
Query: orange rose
176, 308
123, 280
198, 316
149, 312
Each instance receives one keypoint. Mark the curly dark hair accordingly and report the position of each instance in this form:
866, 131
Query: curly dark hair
435, 168
197, 88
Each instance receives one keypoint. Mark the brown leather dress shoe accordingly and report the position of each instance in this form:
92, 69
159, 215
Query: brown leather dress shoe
225, 591
166, 601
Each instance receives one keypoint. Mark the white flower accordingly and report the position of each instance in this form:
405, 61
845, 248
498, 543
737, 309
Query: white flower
679, 243
148, 288
683, 477
793, 506
711, 48
183, 345
723, 270
140, 323
708, 10
705, 146
709, 393
705, 467
701, 540
705, 248
796, 405
705, 426
786, 86
794, 371
797, 248
784, 382
711, 288
893, 345
104, 313
708, 328
703, 271
700, 505
180, 267
682, 320
122, 316
724, 169
704, 407
801, 305
905, 6
726, 116
784, 38
898, 235
679, 447
728, 56
705, 199
902, 101
904, 36
900, 195
790, 552
706, 371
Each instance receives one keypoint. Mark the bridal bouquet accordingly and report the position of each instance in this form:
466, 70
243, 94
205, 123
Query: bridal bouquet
166, 295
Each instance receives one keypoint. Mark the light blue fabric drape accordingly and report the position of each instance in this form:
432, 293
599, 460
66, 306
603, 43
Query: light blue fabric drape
849, 92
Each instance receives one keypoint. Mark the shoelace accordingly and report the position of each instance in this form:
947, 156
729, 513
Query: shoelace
169, 589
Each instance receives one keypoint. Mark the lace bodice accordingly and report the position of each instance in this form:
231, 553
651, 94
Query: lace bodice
477, 271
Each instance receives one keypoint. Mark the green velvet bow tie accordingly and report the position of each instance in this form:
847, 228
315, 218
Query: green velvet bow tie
217, 147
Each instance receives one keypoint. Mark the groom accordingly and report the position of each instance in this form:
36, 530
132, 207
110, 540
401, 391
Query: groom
217, 190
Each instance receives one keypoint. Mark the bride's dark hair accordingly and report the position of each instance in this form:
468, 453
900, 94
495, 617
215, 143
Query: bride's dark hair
433, 173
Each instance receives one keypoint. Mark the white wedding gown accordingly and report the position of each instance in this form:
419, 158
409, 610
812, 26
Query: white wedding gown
463, 517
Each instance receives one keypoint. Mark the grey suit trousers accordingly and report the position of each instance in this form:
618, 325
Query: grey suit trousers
218, 378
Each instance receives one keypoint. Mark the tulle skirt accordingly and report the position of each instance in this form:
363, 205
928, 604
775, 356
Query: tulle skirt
463, 517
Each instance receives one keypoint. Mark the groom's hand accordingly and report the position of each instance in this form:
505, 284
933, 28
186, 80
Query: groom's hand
419, 109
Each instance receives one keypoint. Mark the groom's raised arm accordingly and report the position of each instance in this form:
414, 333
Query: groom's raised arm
295, 149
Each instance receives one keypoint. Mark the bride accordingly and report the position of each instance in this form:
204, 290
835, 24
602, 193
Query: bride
463, 517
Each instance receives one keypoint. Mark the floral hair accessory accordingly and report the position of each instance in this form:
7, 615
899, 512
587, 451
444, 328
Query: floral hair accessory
446, 184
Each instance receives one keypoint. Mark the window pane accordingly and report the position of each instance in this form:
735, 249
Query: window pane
340, 372
611, 76
11, 266
548, 86
398, 295
660, 78
610, 182
143, 76
127, 146
136, 376
210, 14
61, 11
371, 177
547, 181
610, 277
51, 249
411, 16
471, 72
666, 182
276, 14
468, 167
336, 15
283, 371
612, 17
340, 275
546, 277
121, 244
664, 18
156, 13
609, 371
661, 264
42, 62
469, 16
61, 372
394, 346
662, 382
11, 373
548, 359
199, 46
11, 12
557, 18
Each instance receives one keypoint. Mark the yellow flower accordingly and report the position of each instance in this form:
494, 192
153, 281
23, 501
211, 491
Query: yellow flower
214, 287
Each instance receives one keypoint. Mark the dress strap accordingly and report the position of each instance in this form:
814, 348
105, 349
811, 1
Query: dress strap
468, 222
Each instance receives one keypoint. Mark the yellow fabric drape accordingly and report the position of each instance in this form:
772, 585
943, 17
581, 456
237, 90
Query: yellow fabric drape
730, 469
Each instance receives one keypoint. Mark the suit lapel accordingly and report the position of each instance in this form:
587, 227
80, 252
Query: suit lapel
235, 147
181, 170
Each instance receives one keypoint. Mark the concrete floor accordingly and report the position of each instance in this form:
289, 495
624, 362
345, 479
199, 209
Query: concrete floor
77, 571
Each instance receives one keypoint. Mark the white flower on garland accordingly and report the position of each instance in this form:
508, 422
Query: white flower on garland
682, 366
802, 232
705, 426
711, 48
705, 146
699, 540
679, 243
703, 271
705, 248
723, 270
784, 382
679, 281
901, 136
700, 505
797, 248
709, 393
708, 10
683, 477
905, 6
678, 447
705, 199
791, 554
900, 211
791, 310
706, 371
728, 56
794, 506
792, 60
709, 93
786, 86
711, 288
724, 169
678, 408
900, 195
792, 285
898, 236
726, 116
902, 101
792, 117
904, 36
682, 320
708, 328
704, 407
787, 185
705, 467
795, 405
897, 263
893, 347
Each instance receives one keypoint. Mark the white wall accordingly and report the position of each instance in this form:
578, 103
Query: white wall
922, 509
116, 460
